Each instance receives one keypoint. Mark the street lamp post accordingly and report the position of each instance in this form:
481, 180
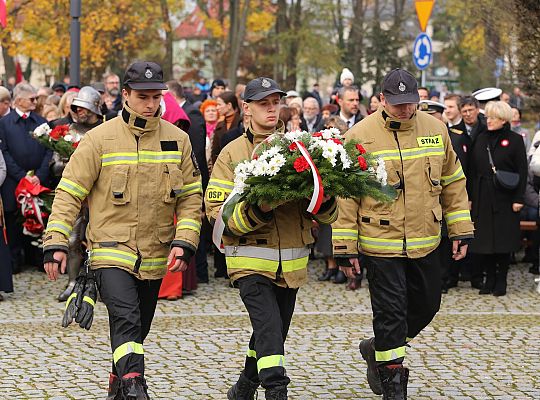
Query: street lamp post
75, 45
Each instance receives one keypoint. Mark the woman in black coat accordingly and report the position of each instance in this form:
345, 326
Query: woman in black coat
495, 210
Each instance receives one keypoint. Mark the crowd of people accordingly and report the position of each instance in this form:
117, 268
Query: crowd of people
133, 159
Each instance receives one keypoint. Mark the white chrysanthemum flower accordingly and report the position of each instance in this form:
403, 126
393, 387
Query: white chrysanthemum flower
381, 172
345, 159
278, 160
68, 138
327, 134
330, 151
240, 184
335, 132
293, 135
43, 129
261, 168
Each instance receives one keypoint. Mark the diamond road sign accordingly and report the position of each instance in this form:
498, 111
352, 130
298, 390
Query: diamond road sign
422, 51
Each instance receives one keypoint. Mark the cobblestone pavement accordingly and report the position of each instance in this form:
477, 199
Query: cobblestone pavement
478, 347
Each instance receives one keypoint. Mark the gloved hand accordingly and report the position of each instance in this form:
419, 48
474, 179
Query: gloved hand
74, 301
85, 315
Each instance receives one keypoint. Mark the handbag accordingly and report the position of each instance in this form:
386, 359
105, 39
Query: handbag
503, 179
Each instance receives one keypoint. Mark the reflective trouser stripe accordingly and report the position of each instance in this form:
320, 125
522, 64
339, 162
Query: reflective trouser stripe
118, 158
456, 176
344, 234
390, 355
72, 188
187, 223
127, 348
461, 215
150, 264
163, 157
59, 226
251, 353
270, 361
189, 189
113, 255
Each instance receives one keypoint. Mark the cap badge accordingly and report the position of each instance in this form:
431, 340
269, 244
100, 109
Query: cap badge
266, 83
402, 87
148, 74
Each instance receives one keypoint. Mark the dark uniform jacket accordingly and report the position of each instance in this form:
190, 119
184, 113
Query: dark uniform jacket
496, 224
22, 154
461, 142
197, 137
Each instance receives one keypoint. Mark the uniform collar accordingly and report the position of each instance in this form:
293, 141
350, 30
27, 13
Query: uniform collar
393, 124
23, 115
258, 137
139, 124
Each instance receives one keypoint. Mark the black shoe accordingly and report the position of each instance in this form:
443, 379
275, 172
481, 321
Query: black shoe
135, 388
114, 392
477, 285
277, 393
499, 292
394, 382
485, 290
367, 350
328, 274
340, 277
451, 284
244, 389
534, 269
444, 290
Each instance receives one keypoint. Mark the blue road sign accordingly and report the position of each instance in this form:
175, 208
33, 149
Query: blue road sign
422, 51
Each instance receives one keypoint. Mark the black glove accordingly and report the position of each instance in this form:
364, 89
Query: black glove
85, 315
188, 253
74, 301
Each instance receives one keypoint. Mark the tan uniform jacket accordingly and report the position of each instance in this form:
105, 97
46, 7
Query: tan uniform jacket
430, 183
136, 174
274, 244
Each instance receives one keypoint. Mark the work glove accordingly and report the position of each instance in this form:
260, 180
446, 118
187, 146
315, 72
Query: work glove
74, 301
85, 315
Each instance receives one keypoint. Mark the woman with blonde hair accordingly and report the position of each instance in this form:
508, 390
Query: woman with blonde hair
64, 109
497, 186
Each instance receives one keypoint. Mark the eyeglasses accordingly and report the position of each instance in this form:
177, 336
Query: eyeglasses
32, 98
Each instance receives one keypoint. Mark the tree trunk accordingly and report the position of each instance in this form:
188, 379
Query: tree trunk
9, 64
292, 51
355, 49
168, 59
236, 37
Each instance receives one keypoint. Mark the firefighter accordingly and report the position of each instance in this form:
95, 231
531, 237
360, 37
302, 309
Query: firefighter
398, 240
266, 248
136, 174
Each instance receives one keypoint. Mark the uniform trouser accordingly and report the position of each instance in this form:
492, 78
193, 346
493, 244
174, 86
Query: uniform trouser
405, 296
131, 304
270, 308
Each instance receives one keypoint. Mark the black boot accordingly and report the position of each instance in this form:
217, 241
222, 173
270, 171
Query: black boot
114, 392
367, 350
277, 393
489, 285
394, 382
329, 274
500, 280
135, 388
244, 389
340, 277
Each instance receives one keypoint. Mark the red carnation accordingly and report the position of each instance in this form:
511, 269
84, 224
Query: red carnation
300, 164
317, 134
336, 141
360, 148
362, 163
75, 145
59, 131
293, 147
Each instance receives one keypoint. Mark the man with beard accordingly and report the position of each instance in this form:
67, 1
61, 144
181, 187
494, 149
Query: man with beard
112, 97
87, 108
349, 103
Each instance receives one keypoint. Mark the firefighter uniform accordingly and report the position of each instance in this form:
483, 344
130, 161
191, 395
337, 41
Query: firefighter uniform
399, 239
266, 255
136, 174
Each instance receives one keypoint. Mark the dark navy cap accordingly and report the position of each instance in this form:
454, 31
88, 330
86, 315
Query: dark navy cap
144, 75
259, 88
400, 87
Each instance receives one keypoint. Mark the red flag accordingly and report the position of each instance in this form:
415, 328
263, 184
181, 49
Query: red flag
3, 13
18, 70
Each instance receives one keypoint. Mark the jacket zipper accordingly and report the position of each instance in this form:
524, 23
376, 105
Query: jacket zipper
402, 183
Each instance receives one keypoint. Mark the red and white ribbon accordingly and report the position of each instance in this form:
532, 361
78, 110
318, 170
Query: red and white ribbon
318, 190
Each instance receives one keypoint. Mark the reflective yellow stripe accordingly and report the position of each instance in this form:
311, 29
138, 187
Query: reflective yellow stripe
390, 355
222, 184
344, 234
150, 264
456, 176
409, 154
294, 259
265, 259
118, 158
72, 188
164, 157
251, 353
294, 265
186, 223
238, 219
59, 226
419, 243
71, 297
89, 300
461, 215
191, 188
270, 361
114, 255
127, 348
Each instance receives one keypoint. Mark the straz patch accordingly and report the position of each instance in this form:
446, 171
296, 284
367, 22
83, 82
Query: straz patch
215, 195
430, 141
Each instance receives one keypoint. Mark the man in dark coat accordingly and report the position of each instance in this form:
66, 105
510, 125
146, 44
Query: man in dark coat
311, 120
197, 137
475, 122
22, 154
